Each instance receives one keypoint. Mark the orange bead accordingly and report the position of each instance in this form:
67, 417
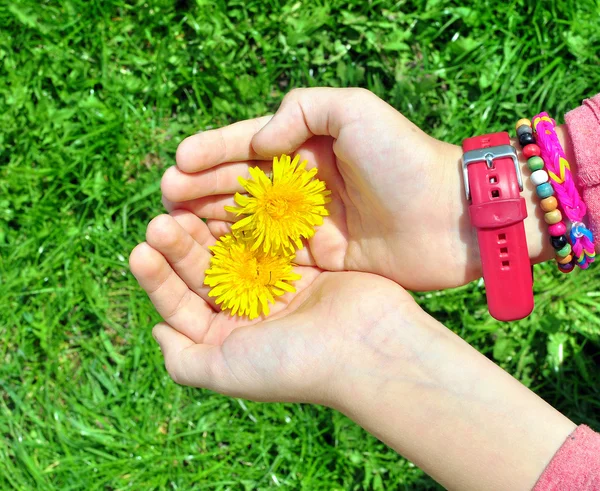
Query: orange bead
521, 122
564, 260
549, 204
553, 217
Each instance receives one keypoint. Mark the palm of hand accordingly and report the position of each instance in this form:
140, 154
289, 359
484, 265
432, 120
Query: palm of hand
291, 355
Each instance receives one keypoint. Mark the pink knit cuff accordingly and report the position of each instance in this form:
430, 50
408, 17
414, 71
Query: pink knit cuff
583, 124
576, 465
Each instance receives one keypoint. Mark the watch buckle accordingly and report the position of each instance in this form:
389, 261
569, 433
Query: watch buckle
488, 155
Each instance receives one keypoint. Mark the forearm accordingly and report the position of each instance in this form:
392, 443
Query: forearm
450, 410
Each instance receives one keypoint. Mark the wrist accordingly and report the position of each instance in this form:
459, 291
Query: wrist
378, 353
536, 230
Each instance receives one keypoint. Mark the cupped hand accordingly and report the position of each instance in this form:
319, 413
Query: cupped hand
299, 353
397, 208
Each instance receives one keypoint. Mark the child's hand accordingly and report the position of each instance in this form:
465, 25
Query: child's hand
301, 352
359, 343
398, 205
397, 209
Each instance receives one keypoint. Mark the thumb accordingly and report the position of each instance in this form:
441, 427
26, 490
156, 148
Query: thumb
305, 113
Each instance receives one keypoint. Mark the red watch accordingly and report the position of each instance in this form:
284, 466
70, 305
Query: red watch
493, 186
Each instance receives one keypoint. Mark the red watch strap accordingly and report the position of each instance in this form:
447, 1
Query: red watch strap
497, 210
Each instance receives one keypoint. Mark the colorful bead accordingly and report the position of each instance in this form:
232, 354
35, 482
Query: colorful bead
566, 268
564, 260
521, 122
553, 217
549, 204
539, 177
523, 130
558, 242
535, 163
544, 190
531, 150
565, 251
526, 139
557, 229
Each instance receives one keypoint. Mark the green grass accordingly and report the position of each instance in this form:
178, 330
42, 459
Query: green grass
94, 98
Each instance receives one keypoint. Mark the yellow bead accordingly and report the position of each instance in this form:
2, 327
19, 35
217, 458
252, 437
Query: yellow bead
521, 122
553, 217
564, 260
549, 204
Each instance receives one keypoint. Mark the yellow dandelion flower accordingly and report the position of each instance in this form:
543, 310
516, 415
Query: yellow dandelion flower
245, 280
282, 211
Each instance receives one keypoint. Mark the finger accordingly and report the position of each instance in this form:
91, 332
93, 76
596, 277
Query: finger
211, 208
219, 228
178, 186
173, 300
210, 148
190, 363
195, 227
187, 258
223, 179
168, 204
305, 113
304, 256
356, 118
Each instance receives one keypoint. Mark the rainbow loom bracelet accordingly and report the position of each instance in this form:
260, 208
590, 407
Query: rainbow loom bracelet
570, 202
548, 203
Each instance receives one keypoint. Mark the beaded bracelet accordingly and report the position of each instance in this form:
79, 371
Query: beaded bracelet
571, 204
548, 203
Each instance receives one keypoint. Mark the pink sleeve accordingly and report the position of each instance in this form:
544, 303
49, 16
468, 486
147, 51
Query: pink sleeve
583, 125
576, 465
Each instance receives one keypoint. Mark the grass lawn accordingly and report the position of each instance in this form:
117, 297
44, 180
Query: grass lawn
94, 98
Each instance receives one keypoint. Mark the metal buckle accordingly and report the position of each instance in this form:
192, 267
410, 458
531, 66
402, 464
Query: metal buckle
489, 155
